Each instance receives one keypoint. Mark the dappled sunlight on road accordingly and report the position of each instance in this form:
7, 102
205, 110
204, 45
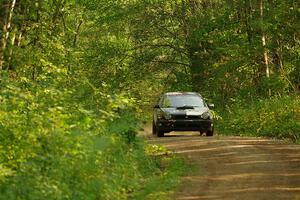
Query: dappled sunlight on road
236, 167
231, 177
263, 161
200, 197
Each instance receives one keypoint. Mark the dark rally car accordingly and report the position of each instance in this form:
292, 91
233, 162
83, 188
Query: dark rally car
182, 111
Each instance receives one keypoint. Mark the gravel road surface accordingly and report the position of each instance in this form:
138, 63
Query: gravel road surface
224, 167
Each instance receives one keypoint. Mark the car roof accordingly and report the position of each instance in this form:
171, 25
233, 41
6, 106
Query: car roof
182, 93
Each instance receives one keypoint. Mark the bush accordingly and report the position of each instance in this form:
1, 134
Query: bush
58, 143
277, 117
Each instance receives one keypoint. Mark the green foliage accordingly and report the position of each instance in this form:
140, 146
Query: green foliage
277, 117
56, 144
156, 150
78, 77
71, 94
278, 85
166, 183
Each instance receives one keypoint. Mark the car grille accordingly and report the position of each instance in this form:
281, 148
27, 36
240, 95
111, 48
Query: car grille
186, 117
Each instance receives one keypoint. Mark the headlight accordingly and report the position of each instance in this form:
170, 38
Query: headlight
206, 115
159, 115
164, 116
167, 116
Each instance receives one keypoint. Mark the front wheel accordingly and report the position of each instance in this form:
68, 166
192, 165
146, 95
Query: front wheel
210, 132
159, 132
153, 128
156, 130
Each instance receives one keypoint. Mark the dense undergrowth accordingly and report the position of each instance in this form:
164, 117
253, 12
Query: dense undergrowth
75, 74
74, 142
276, 117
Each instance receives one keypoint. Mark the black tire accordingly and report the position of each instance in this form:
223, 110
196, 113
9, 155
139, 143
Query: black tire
158, 132
153, 128
210, 133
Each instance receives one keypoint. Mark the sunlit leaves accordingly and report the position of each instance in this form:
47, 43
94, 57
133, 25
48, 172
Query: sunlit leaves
261, 119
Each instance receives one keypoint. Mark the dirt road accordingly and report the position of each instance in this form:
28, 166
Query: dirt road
236, 167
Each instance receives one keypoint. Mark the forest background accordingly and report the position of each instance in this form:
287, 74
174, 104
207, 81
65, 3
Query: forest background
78, 78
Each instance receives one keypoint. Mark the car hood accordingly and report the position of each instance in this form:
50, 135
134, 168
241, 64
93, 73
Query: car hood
196, 111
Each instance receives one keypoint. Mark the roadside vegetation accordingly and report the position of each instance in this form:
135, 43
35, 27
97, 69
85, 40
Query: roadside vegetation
72, 143
78, 78
276, 118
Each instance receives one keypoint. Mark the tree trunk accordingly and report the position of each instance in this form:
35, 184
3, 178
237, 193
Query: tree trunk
77, 33
10, 55
248, 13
263, 38
6, 31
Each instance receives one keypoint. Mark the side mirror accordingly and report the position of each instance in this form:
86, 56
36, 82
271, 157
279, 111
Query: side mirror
211, 105
156, 106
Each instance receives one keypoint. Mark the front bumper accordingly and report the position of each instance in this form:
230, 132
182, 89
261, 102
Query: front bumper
185, 125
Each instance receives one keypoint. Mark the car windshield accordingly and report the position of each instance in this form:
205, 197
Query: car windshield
183, 101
